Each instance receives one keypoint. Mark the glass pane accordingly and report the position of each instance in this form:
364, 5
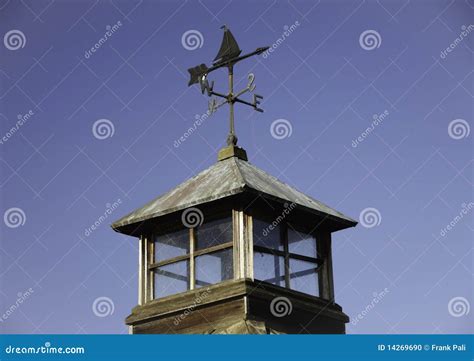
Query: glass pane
266, 235
171, 245
214, 267
214, 233
301, 243
303, 277
269, 268
172, 278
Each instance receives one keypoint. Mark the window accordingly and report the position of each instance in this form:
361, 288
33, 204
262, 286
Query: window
192, 258
214, 267
269, 268
286, 257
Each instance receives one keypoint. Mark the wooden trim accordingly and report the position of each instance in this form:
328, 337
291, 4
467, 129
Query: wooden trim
284, 239
150, 275
232, 290
248, 246
326, 282
243, 245
237, 240
192, 261
145, 273
175, 224
329, 266
277, 252
213, 249
195, 254
141, 271
168, 261
145, 277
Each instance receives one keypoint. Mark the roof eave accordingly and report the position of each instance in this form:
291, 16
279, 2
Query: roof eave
119, 226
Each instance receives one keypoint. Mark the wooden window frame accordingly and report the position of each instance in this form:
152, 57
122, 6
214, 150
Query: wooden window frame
319, 262
150, 267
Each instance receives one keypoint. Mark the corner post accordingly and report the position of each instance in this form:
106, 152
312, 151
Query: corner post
142, 270
146, 254
326, 281
243, 256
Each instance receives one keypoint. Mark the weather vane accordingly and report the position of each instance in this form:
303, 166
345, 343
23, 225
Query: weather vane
228, 56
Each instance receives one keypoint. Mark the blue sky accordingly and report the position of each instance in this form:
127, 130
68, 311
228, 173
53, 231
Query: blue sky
409, 178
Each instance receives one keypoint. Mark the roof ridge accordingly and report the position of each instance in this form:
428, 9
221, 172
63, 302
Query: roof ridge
240, 174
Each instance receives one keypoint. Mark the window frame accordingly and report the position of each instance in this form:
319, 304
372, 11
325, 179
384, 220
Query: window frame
287, 255
191, 256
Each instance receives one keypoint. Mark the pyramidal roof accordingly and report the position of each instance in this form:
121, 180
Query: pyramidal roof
223, 179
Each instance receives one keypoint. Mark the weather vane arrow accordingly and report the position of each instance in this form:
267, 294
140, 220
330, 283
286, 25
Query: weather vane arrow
228, 56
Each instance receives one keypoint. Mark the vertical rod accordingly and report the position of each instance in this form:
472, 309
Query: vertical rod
232, 139
231, 93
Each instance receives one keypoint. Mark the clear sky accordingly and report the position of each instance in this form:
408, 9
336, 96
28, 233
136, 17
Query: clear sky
93, 128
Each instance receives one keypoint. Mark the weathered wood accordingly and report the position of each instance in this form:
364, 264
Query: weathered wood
141, 271
284, 239
226, 178
326, 283
228, 303
237, 238
308, 303
150, 276
198, 320
192, 261
299, 321
248, 246
145, 278
179, 302
290, 255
